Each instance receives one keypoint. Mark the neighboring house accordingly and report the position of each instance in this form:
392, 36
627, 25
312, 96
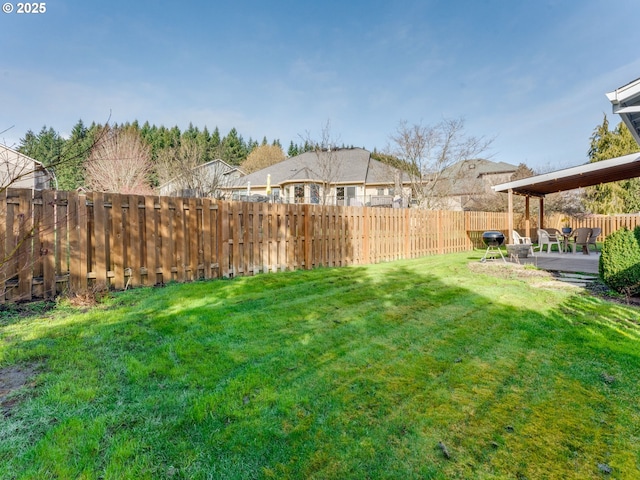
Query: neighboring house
20, 171
207, 180
346, 176
466, 183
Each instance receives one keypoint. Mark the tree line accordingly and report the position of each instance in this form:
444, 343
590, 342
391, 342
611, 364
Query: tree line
68, 156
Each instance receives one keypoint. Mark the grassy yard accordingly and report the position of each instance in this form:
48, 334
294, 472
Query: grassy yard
414, 369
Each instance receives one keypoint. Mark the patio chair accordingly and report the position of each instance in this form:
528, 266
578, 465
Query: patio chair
545, 239
581, 238
520, 240
554, 233
595, 233
563, 238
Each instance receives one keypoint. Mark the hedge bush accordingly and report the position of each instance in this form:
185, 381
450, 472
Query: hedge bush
619, 265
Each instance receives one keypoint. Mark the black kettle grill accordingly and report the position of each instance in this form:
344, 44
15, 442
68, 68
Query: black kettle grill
493, 240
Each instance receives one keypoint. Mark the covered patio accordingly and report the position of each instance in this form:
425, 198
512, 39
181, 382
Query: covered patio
626, 103
538, 186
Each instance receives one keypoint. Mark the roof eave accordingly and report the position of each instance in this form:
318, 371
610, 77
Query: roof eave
571, 178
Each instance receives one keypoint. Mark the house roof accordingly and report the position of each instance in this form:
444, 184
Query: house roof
626, 103
355, 166
478, 167
16, 169
614, 169
225, 169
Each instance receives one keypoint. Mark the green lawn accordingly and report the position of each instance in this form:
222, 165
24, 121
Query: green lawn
412, 369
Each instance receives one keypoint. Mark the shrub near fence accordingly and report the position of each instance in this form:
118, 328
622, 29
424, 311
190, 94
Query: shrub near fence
55, 242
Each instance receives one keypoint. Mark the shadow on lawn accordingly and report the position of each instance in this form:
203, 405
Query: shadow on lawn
312, 372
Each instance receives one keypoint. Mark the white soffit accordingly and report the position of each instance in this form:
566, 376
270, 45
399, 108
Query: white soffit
626, 103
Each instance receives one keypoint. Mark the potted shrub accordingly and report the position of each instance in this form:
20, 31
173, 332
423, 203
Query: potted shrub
566, 228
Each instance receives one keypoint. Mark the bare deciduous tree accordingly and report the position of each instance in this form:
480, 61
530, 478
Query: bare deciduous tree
120, 162
327, 169
429, 150
181, 171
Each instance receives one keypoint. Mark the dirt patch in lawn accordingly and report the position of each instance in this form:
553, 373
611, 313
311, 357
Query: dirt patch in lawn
514, 271
543, 279
13, 379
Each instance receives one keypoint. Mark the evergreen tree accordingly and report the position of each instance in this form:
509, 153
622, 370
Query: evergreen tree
215, 145
203, 139
46, 147
191, 132
69, 172
614, 197
293, 149
233, 149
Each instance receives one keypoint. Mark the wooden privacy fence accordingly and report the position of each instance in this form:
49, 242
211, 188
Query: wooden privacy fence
55, 242
608, 223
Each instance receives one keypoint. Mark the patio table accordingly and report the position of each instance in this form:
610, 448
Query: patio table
565, 241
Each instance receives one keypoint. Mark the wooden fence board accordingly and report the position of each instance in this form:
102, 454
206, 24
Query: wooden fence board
208, 240
224, 240
61, 225
4, 234
134, 260
150, 240
168, 239
48, 244
25, 245
116, 241
192, 241
101, 240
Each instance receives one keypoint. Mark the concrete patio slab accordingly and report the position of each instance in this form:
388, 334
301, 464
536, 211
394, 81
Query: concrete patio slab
564, 262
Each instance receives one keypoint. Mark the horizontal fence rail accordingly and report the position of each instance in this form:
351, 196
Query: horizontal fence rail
52, 242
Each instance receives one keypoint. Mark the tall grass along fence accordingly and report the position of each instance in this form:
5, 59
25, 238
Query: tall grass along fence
54, 242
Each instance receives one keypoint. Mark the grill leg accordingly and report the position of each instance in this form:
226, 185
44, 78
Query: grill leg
493, 249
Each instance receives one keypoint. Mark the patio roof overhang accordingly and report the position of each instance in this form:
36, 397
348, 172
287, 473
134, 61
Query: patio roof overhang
612, 170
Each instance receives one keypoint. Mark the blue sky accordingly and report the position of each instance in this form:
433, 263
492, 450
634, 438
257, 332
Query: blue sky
532, 74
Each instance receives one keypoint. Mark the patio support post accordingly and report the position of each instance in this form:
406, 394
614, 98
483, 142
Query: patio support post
510, 218
527, 217
541, 212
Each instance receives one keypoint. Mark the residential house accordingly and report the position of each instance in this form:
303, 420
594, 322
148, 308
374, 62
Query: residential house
465, 184
20, 171
207, 180
345, 176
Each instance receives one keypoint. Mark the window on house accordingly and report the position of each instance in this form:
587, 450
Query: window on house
351, 194
298, 191
340, 196
314, 193
381, 191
